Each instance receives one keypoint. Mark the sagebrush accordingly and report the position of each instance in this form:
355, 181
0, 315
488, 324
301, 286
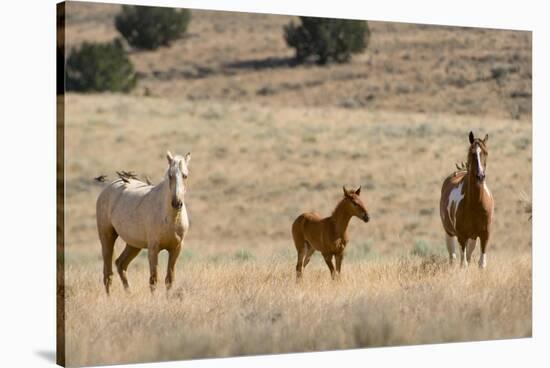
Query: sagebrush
327, 39
147, 27
100, 67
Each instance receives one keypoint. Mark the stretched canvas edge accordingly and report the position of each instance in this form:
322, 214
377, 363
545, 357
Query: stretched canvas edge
60, 184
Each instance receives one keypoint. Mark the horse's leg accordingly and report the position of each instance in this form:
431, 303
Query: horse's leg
484, 239
328, 260
451, 247
107, 236
122, 262
470, 249
339, 257
170, 271
309, 251
300, 244
300, 263
153, 250
463, 260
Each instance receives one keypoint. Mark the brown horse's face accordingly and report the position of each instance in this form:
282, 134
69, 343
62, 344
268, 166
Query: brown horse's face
356, 205
477, 157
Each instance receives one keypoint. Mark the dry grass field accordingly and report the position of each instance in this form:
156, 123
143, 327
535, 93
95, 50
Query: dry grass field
234, 308
270, 140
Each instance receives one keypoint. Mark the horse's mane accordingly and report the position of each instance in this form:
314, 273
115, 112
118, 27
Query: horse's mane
338, 206
463, 166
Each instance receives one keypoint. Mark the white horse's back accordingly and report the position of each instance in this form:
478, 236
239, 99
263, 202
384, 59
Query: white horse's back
133, 210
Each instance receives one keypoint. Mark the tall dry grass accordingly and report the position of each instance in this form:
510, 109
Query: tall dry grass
240, 307
271, 141
253, 170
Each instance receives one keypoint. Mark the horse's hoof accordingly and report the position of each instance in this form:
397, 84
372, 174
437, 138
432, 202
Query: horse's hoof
452, 259
483, 261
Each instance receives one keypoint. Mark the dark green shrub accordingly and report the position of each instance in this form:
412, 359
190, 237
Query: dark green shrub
99, 67
147, 27
327, 39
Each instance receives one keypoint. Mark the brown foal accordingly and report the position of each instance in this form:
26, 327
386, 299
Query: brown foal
327, 235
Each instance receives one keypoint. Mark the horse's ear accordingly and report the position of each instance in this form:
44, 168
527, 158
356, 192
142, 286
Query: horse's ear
358, 191
486, 139
187, 157
471, 137
169, 156
345, 190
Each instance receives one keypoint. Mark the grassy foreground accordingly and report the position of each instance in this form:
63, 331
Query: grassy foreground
270, 141
253, 171
239, 307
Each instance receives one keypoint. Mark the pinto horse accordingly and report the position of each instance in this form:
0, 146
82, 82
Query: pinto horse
466, 205
327, 235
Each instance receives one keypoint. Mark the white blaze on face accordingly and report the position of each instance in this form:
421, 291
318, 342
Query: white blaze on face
479, 168
455, 197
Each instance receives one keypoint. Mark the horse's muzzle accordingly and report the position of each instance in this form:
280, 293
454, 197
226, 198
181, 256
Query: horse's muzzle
480, 178
177, 204
366, 217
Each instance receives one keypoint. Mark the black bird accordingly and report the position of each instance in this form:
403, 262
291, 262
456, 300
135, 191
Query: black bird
101, 178
129, 174
123, 177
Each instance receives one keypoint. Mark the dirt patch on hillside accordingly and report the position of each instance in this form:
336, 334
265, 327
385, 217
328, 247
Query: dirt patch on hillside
229, 56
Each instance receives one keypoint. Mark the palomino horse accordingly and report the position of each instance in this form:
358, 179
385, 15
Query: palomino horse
144, 216
328, 235
466, 205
